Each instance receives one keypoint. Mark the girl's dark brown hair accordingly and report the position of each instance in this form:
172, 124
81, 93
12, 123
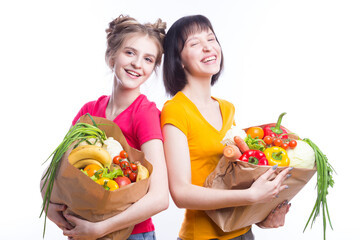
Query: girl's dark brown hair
124, 26
173, 72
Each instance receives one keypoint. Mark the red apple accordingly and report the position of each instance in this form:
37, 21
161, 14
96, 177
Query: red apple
122, 181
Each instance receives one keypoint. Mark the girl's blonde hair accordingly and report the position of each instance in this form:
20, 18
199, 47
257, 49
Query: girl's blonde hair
124, 26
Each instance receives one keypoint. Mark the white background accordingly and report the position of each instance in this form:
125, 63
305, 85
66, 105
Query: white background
299, 57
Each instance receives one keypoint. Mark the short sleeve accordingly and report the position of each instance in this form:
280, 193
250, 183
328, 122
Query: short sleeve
174, 113
94, 108
147, 124
85, 109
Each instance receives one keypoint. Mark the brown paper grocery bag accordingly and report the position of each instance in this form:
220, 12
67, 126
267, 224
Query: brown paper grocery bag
89, 200
241, 175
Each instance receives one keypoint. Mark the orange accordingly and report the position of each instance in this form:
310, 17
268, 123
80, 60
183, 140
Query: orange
91, 169
255, 132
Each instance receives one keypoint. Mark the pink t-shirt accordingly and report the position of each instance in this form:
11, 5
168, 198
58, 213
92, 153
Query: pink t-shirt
140, 122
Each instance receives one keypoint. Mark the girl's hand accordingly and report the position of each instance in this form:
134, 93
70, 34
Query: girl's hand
55, 214
264, 190
83, 230
277, 216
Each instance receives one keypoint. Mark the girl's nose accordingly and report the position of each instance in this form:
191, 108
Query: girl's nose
206, 47
136, 63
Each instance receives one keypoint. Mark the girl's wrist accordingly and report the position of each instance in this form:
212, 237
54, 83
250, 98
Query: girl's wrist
250, 196
102, 228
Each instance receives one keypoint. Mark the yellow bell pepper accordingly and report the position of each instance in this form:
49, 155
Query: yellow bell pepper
277, 155
108, 184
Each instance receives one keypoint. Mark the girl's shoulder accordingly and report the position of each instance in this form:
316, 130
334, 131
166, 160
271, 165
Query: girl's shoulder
177, 104
144, 105
100, 102
94, 108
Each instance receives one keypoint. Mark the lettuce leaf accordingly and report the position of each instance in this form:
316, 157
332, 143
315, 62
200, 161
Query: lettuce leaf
255, 143
105, 172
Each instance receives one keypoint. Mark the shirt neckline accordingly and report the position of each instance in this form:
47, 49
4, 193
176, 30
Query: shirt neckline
202, 117
127, 109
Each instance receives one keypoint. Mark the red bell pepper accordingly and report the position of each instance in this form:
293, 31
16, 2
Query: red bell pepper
256, 157
277, 131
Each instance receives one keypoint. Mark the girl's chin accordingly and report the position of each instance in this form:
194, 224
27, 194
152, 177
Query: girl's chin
212, 72
131, 84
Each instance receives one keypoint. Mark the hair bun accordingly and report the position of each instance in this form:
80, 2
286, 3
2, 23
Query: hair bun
159, 26
120, 23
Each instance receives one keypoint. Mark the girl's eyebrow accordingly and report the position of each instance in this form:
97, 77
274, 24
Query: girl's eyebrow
136, 51
192, 38
130, 48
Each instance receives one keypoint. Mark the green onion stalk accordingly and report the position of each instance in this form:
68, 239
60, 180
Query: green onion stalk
78, 133
324, 181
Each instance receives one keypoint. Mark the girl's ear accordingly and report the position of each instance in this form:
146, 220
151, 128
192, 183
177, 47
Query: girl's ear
111, 63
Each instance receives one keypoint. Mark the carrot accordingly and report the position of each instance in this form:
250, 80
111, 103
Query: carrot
231, 152
240, 143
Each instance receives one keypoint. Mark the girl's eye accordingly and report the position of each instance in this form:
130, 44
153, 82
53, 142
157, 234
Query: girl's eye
193, 43
211, 39
129, 52
150, 60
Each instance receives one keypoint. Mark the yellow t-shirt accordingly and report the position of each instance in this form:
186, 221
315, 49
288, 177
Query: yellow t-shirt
205, 152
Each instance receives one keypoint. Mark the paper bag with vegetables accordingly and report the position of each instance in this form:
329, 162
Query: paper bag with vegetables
92, 172
251, 152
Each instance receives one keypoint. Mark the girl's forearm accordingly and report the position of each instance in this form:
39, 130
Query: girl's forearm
200, 198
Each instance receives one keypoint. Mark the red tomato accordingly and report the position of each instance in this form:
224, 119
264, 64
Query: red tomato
277, 142
285, 146
122, 181
133, 167
292, 144
123, 154
133, 176
268, 140
116, 160
127, 172
124, 165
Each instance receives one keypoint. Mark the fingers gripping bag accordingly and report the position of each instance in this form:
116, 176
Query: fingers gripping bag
84, 197
238, 174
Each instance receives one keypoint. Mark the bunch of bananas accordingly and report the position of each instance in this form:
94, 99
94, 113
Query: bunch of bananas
89, 154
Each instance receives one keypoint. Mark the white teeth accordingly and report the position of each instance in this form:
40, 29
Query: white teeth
209, 59
133, 73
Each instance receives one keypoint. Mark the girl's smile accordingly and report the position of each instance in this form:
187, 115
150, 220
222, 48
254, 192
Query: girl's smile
132, 74
210, 59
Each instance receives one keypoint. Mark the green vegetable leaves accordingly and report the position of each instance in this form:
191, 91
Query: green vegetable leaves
324, 180
106, 173
255, 143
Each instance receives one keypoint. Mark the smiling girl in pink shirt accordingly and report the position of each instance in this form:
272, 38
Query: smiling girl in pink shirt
134, 50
